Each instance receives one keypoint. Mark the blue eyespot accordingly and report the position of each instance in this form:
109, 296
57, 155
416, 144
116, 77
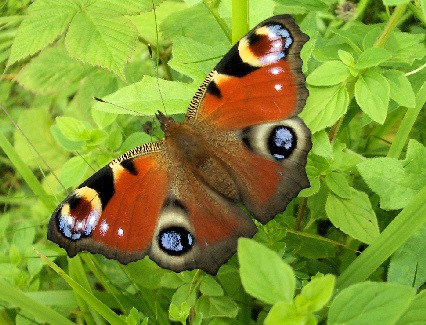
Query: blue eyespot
281, 142
175, 240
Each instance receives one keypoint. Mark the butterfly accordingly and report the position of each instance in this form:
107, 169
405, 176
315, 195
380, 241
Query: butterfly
181, 200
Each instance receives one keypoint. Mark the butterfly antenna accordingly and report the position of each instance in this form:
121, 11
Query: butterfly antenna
157, 55
35, 150
122, 107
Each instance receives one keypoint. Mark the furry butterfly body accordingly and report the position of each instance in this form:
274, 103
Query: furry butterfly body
179, 200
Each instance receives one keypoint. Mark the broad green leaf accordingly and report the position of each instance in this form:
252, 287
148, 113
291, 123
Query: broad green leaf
39, 137
324, 106
372, 95
53, 70
396, 181
196, 23
401, 90
215, 307
148, 96
210, 287
415, 313
46, 21
329, 73
97, 38
315, 294
321, 145
310, 245
264, 274
408, 263
74, 172
353, 216
405, 47
72, 128
372, 57
284, 312
338, 184
195, 59
370, 303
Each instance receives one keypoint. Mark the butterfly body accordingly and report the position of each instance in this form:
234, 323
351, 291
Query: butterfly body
179, 200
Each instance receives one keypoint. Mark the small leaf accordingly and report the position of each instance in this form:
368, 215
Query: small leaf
284, 312
401, 90
324, 106
316, 293
73, 172
396, 181
264, 274
222, 306
73, 129
353, 216
338, 184
372, 57
370, 303
346, 58
329, 73
372, 95
210, 287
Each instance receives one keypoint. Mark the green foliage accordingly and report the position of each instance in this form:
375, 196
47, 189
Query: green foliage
366, 75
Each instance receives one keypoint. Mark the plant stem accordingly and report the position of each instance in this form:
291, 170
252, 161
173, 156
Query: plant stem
240, 19
407, 124
405, 224
392, 22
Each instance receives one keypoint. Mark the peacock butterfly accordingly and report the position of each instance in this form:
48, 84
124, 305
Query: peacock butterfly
179, 200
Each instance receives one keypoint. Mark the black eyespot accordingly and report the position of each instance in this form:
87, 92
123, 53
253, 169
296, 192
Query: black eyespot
175, 240
281, 142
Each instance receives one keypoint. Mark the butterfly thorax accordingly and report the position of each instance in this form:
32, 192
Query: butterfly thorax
187, 145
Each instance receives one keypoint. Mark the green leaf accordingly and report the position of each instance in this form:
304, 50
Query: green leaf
408, 263
46, 21
394, 2
370, 303
195, 22
97, 38
415, 314
372, 57
182, 301
346, 57
353, 216
210, 287
401, 90
324, 106
52, 71
195, 59
372, 95
285, 312
73, 172
321, 145
315, 294
391, 178
215, 307
264, 274
329, 73
143, 98
338, 184
72, 128
40, 138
